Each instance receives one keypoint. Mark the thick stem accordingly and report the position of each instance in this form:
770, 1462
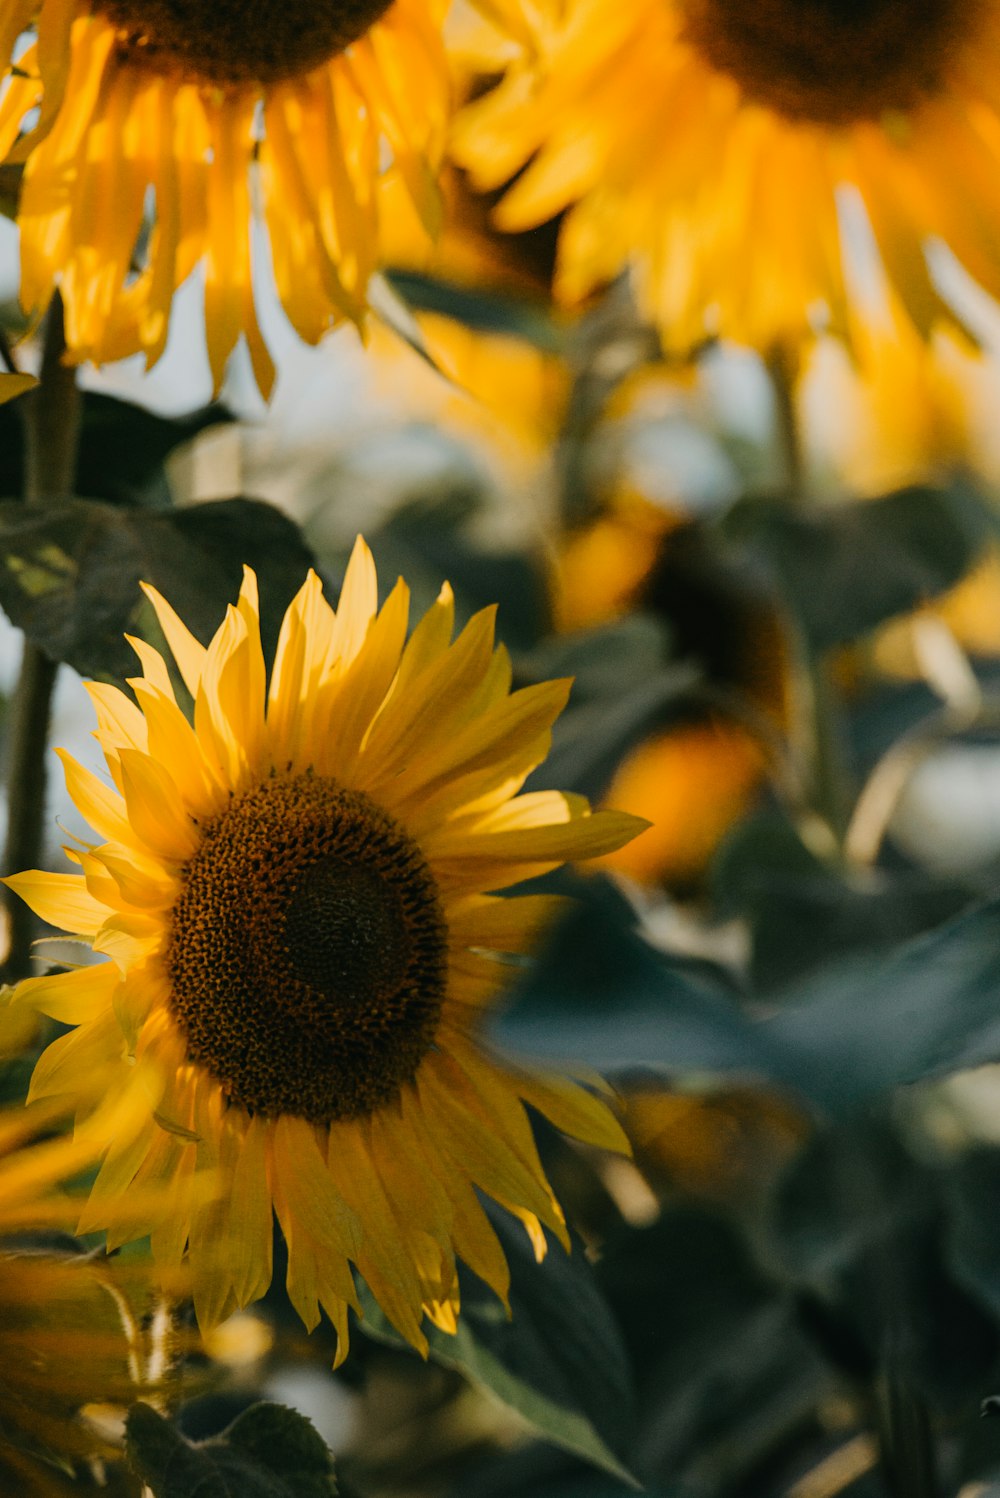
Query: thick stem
782, 366
906, 1442
51, 430
815, 734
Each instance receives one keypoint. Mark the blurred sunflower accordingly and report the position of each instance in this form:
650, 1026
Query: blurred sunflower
64, 1343
700, 771
707, 143
166, 128
292, 896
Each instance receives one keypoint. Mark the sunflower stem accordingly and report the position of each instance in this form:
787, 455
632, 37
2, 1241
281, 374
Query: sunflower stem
51, 431
782, 367
906, 1441
817, 739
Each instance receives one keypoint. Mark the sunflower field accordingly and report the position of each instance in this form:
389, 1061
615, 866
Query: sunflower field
500, 748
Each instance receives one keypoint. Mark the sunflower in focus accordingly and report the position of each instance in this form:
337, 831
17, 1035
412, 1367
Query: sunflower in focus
713, 146
296, 900
154, 133
66, 1341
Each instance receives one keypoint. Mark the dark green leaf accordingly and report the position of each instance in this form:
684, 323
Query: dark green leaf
425, 541
855, 1226
70, 573
861, 1027
122, 448
558, 1361
974, 1225
804, 914
847, 1032
727, 1371
483, 311
268, 1452
601, 994
844, 570
624, 685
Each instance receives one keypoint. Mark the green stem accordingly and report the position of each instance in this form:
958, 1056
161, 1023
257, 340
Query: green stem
816, 732
906, 1443
782, 366
51, 430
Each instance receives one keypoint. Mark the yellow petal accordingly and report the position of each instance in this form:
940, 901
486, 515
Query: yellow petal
62, 900
188, 652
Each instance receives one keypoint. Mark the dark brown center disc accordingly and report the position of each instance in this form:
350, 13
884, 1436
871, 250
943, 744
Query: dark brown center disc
227, 42
307, 952
834, 62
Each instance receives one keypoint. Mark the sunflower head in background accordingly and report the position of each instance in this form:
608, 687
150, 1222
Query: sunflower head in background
69, 1338
167, 126
693, 776
707, 144
295, 899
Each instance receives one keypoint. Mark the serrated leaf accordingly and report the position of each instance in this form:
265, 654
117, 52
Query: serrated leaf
559, 1361
70, 573
267, 1452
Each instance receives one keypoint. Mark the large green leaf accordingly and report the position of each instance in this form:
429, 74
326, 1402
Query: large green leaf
70, 573
727, 1374
122, 448
844, 570
268, 1452
484, 311
846, 1032
559, 1360
805, 914
600, 994
855, 1226
857, 1028
624, 684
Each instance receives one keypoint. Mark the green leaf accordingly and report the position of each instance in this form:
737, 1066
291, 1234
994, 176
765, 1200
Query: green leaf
974, 1226
559, 1360
488, 311
805, 914
847, 1030
427, 539
624, 684
860, 1027
727, 1374
70, 573
268, 1452
600, 994
122, 448
844, 570
856, 1226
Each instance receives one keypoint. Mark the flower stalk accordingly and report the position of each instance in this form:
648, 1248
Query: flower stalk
51, 436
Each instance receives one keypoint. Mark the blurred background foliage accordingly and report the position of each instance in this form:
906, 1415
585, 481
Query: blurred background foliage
777, 586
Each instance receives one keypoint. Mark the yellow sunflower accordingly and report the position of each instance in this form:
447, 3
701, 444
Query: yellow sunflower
64, 1341
167, 127
713, 145
296, 898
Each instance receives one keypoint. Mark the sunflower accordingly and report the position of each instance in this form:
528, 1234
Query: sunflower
296, 900
167, 126
66, 1338
713, 145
